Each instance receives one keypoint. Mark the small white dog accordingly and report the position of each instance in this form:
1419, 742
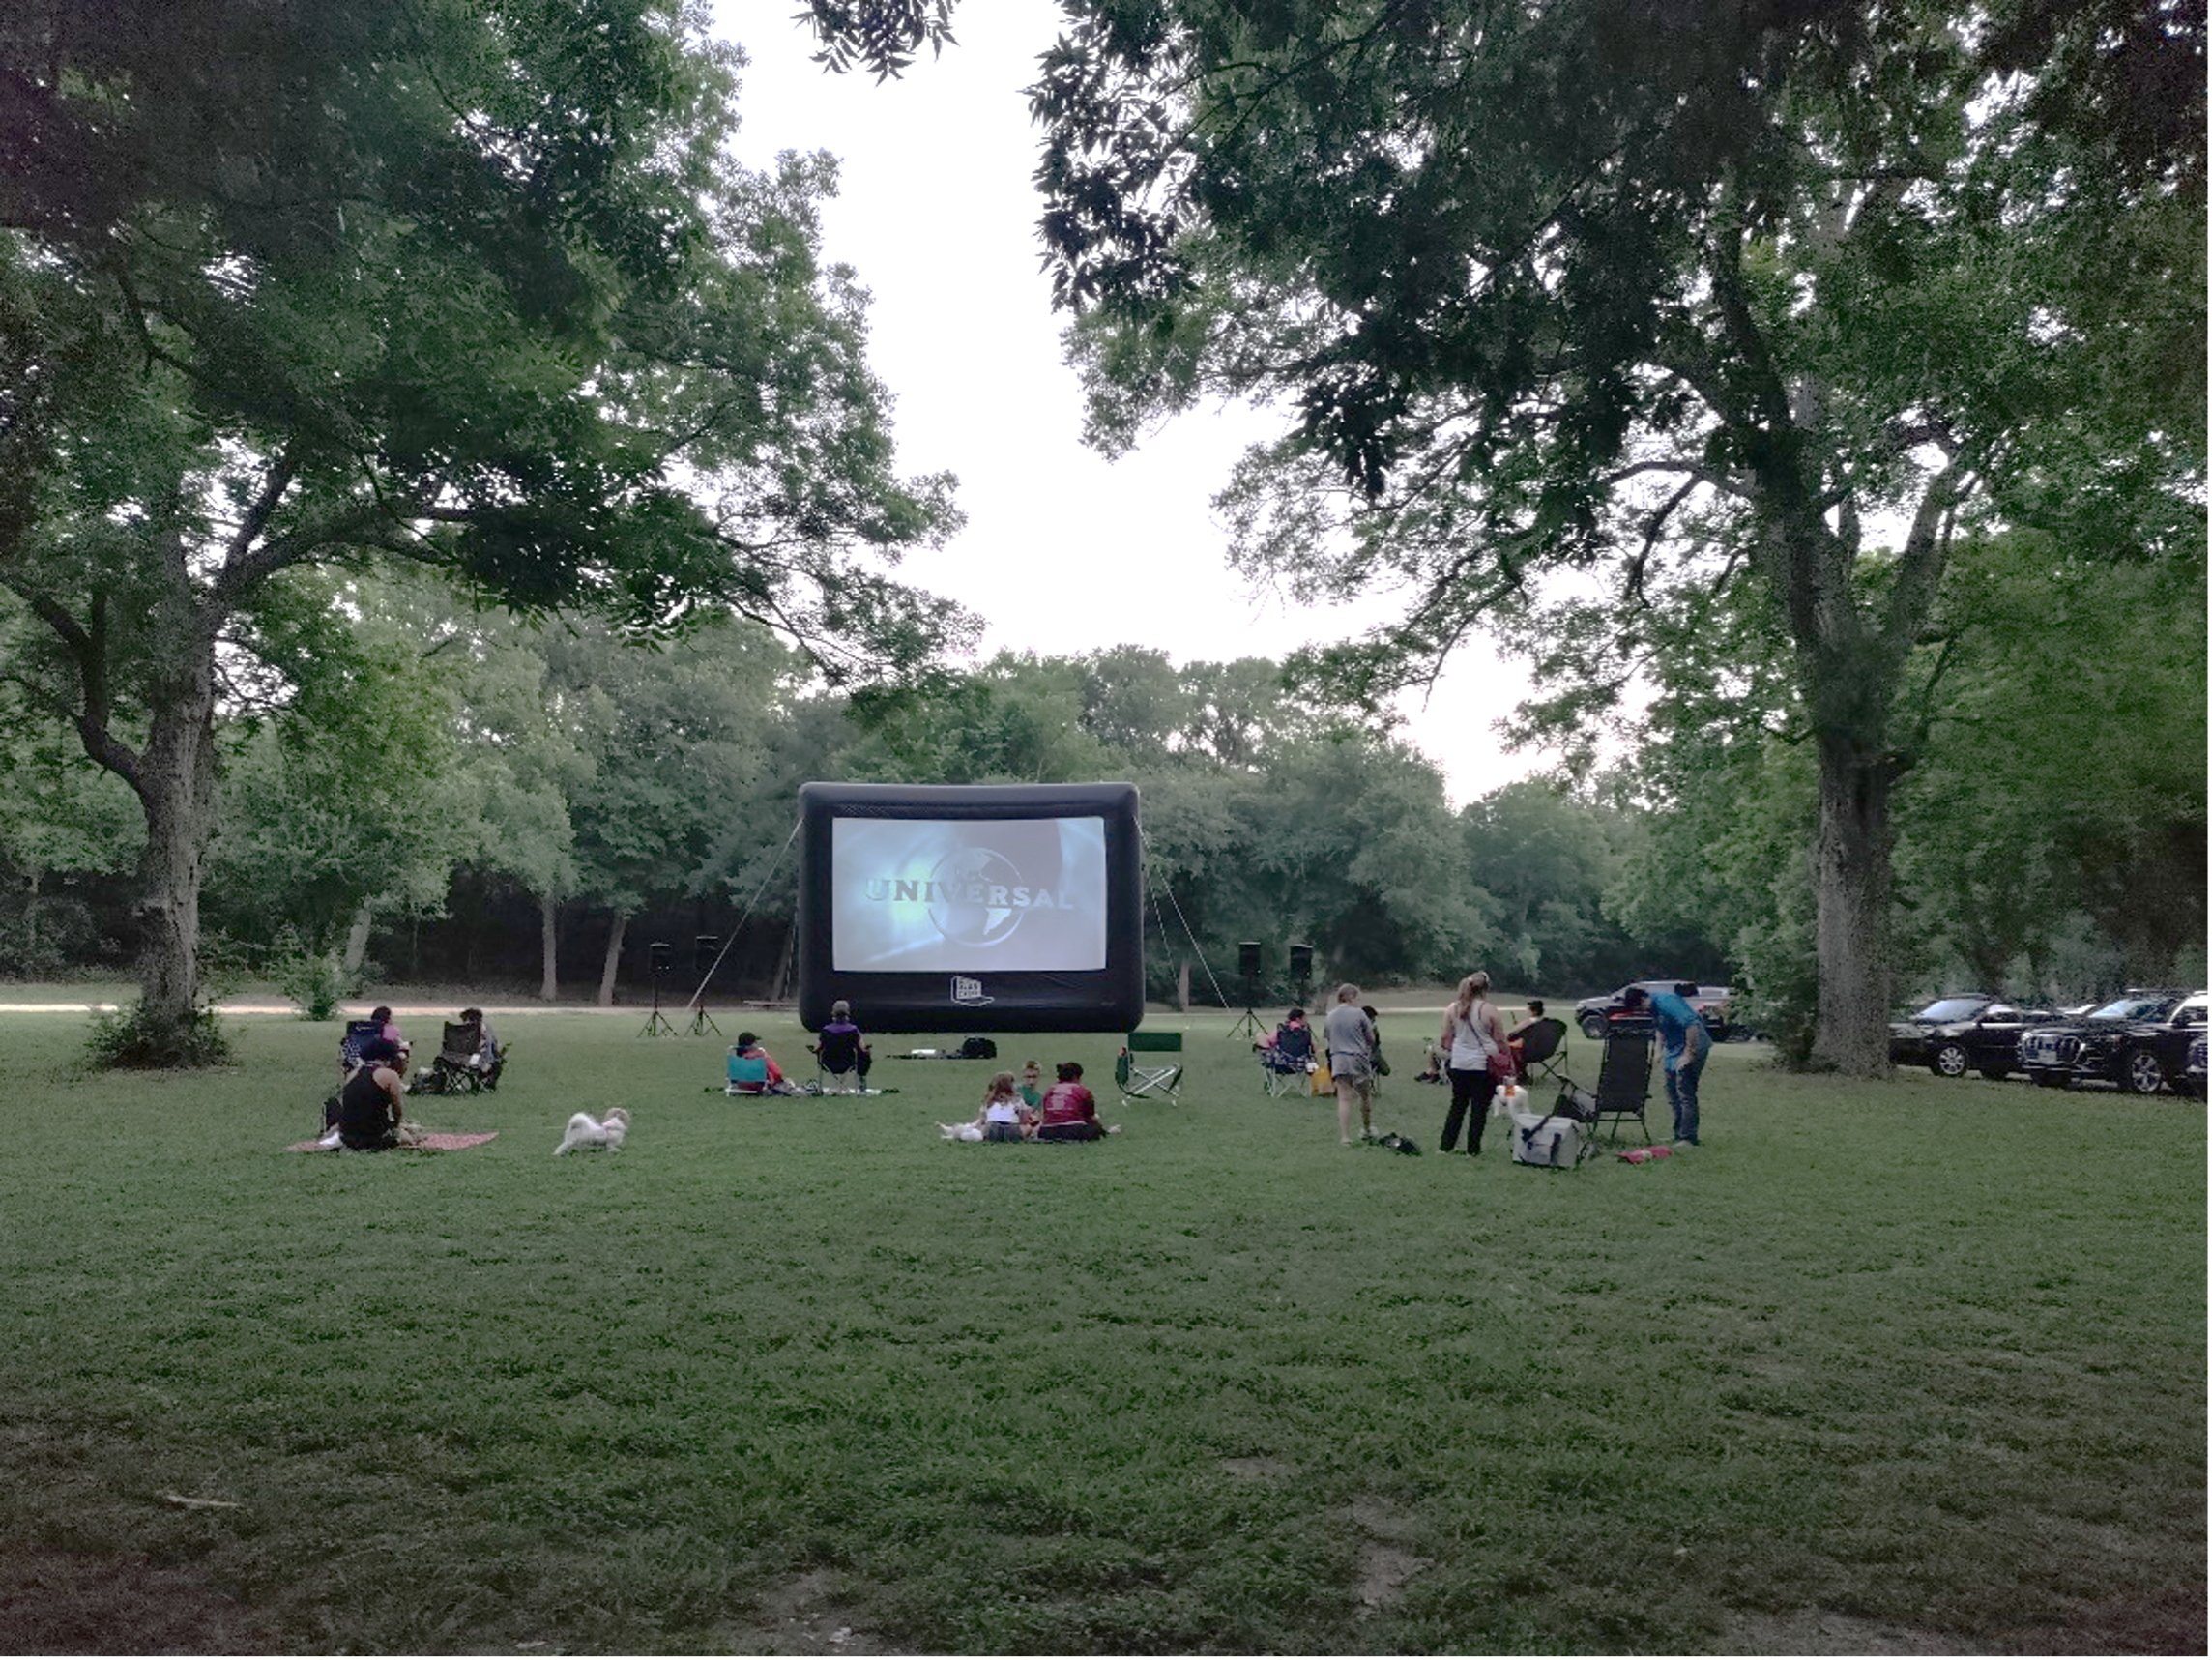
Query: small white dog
586, 1131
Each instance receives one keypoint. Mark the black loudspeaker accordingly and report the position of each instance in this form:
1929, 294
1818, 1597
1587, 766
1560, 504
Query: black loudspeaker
1301, 963
703, 949
1248, 958
661, 956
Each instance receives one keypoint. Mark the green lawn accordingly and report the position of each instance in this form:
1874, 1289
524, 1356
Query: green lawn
1909, 1367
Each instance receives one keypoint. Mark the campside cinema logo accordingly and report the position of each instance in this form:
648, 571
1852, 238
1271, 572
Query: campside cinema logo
976, 896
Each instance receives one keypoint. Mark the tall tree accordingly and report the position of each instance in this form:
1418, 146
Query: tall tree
1680, 293
466, 282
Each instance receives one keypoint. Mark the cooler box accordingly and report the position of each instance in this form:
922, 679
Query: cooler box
1551, 1142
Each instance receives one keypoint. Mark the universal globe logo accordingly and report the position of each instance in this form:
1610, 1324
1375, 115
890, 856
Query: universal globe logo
974, 903
976, 896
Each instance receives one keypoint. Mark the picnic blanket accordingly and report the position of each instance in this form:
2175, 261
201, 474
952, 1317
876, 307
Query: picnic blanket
430, 1141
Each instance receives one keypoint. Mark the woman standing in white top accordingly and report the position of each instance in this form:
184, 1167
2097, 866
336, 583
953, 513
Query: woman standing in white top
1473, 1040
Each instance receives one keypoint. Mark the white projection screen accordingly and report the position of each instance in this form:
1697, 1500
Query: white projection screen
971, 909
970, 894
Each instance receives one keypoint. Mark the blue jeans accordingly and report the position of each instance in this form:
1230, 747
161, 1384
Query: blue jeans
1682, 1093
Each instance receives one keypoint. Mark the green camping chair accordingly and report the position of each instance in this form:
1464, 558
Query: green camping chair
1142, 1078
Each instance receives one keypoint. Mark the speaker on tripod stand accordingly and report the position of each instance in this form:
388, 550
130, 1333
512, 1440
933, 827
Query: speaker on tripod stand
1302, 968
1248, 964
703, 949
660, 958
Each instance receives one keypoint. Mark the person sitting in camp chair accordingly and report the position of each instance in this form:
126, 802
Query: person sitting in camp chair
753, 1071
1287, 1054
840, 1053
469, 1058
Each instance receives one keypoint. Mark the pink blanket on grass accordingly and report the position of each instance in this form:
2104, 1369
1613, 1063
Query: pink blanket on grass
432, 1140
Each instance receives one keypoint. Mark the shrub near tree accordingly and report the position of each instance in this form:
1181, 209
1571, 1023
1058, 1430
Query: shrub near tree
463, 284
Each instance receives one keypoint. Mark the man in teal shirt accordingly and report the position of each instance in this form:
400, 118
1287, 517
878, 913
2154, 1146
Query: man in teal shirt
1684, 1043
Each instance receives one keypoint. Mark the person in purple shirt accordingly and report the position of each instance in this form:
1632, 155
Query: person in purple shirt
842, 1028
1683, 1042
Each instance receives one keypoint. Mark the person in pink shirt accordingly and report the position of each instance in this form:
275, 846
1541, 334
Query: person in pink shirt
1069, 1112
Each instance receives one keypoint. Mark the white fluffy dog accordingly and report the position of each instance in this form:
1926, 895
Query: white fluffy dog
586, 1131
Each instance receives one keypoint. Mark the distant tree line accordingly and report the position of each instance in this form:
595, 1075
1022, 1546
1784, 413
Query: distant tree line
437, 794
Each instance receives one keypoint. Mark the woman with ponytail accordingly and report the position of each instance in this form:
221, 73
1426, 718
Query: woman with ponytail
1477, 1061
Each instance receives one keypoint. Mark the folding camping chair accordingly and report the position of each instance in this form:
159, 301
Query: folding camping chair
358, 1035
1140, 1079
459, 1063
838, 1065
748, 1074
1624, 1081
1286, 1066
1540, 1051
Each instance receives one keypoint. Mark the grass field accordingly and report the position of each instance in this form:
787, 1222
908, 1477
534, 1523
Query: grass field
1917, 1367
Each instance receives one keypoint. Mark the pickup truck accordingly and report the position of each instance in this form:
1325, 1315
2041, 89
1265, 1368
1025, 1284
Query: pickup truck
1597, 1015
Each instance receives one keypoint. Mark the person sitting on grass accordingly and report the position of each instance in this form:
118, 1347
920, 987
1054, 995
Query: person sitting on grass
1032, 1087
1069, 1112
373, 1101
1003, 1117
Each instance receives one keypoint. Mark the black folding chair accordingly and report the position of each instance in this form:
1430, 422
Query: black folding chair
1287, 1065
461, 1064
1624, 1081
358, 1035
838, 1065
1541, 1051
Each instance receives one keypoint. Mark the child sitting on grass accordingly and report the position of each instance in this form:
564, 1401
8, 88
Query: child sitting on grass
1003, 1117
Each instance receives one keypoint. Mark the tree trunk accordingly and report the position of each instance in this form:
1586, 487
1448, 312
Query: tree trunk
1852, 875
176, 785
357, 940
549, 985
1182, 986
614, 959
787, 967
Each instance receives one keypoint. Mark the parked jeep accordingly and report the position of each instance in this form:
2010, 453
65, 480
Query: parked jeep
1598, 1015
1966, 1031
2139, 1041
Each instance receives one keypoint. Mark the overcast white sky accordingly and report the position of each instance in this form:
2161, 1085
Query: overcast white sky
1062, 552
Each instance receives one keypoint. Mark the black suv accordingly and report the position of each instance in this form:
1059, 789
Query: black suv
1966, 1031
2139, 1041
1597, 1015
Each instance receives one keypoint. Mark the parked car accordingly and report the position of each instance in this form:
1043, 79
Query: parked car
1966, 1031
1598, 1015
2140, 1041
2193, 1072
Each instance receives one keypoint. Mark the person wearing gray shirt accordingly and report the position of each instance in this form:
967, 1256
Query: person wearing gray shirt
1350, 1039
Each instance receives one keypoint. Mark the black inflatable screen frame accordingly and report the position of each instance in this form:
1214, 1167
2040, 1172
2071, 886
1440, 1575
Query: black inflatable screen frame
1111, 998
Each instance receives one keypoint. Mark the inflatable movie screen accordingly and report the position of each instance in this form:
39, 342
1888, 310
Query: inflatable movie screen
938, 908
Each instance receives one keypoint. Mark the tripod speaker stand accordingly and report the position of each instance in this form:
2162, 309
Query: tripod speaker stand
703, 958
660, 959
1248, 960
